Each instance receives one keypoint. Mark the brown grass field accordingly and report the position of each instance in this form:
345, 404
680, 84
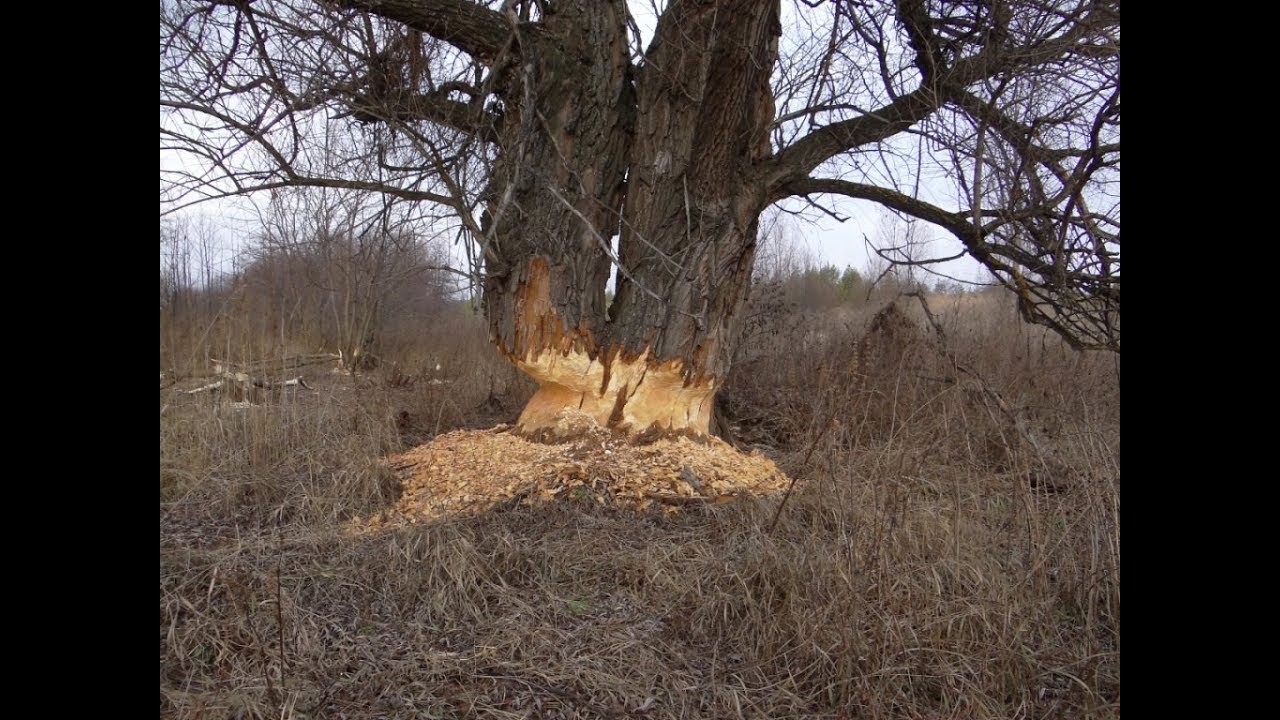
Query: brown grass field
951, 548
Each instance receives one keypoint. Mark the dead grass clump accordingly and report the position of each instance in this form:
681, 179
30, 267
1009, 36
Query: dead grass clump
921, 568
990, 392
315, 454
304, 462
875, 598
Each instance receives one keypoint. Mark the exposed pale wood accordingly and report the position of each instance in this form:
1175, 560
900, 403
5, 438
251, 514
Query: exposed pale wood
473, 471
624, 394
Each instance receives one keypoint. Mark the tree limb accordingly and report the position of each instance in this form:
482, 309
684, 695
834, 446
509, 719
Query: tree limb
803, 156
955, 222
1079, 309
474, 29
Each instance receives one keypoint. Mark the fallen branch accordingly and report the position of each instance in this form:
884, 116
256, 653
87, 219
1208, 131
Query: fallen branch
222, 367
673, 499
247, 383
205, 388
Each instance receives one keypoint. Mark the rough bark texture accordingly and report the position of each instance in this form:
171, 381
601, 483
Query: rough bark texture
689, 233
559, 182
665, 159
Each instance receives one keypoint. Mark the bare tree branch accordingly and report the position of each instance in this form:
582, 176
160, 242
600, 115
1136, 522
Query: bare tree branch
472, 28
806, 154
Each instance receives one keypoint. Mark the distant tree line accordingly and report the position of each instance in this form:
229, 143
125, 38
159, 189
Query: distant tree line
320, 274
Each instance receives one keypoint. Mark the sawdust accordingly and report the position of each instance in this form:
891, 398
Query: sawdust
469, 471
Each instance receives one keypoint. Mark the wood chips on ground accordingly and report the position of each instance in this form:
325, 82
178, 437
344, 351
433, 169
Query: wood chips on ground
474, 470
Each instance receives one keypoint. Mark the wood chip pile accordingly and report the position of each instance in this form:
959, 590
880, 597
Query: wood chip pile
473, 470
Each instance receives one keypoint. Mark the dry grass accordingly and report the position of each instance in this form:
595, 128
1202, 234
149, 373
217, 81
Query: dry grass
930, 564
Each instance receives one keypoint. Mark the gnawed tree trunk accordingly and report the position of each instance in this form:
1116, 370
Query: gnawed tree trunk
665, 160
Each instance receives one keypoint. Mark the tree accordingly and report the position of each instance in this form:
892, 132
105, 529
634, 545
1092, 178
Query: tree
347, 265
851, 285
567, 153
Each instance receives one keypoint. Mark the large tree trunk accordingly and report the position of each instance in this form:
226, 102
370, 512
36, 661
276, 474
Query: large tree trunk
666, 161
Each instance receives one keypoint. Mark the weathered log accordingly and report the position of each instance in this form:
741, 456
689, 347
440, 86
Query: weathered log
243, 386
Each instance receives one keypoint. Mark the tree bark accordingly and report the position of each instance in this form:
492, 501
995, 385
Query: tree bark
667, 161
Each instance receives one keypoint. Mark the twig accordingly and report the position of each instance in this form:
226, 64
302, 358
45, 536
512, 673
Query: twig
673, 499
284, 662
803, 465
